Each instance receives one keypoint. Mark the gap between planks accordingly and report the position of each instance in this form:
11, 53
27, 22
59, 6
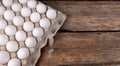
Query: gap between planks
83, 48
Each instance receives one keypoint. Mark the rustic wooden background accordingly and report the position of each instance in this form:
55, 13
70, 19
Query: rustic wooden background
90, 35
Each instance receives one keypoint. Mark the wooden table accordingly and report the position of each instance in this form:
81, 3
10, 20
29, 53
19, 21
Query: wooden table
90, 35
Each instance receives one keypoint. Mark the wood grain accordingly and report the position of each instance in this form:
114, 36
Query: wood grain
83, 48
89, 15
89, 37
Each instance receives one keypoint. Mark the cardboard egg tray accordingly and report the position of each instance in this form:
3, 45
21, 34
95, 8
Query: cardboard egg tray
35, 52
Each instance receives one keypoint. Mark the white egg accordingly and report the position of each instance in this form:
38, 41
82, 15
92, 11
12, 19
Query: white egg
28, 26
14, 62
41, 8
30, 42
38, 32
20, 36
35, 17
10, 30
12, 46
45, 23
23, 1
23, 53
2, 10
16, 7
4, 57
31, 4
7, 2
25, 12
3, 24
9, 15
18, 21
51, 14
3, 39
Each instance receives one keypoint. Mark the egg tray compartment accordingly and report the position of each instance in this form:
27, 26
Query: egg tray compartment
35, 53
51, 33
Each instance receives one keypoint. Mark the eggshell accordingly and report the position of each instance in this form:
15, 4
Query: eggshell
16, 7
4, 57
7, 2
45, 23
25, 12
31, 4
28, 26
20, 36
14, 62
38, 32
23, 1
12, 46
3, 39
51, 14
35, 17
18, 21
30, 42
23, 53
9, 15
41, 8
2, 10
3, 24
10, 30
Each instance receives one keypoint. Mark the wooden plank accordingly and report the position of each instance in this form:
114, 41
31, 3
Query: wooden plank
89, 15
83, 48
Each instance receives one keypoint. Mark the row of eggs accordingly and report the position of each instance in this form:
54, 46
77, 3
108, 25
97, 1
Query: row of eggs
28, 26
22, 53
30, 42
34, 17
26, 11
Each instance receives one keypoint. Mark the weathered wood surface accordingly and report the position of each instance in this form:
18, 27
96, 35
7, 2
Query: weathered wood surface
77, 46
90, 15
84, 48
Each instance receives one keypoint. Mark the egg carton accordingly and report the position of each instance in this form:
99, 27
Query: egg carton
25, 27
